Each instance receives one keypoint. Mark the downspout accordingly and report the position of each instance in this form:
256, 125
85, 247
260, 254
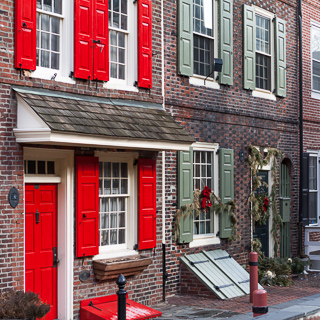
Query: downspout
300, 126
164, 270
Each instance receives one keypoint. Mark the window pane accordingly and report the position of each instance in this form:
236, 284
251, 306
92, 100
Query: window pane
107, 186
315, 43
104, 237
313, 206
124, 170
55, 61
104, 223
113, 236
115, 20
262, 34
202, 55
31, 167
122, 238
107, 169
124, 6
45, 22
104, 205
55, 25
116, 5
58, 6
121, 220
50, 167
45, 40
124, 23
44, 57
115, 186
316, 75
113, 70
121, 72
115, 170
124, 186
39, 5
313, 173
263, 71
113, 220
41, 167
47, 5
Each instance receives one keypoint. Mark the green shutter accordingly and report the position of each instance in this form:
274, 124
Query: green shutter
280, 49
185, 193
249, 45
226, 189
226, 41
185, 37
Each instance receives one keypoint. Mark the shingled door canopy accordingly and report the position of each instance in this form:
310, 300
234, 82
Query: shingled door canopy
69, 119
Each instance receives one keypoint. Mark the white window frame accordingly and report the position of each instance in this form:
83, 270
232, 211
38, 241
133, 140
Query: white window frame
212, 238
211, 81
66, 47
258, 92
114, 251
315, 26
131, 54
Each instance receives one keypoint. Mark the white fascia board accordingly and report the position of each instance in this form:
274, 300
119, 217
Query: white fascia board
46, 136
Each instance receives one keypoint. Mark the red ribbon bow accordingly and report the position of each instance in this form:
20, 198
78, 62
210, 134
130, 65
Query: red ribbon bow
265, 204
206, 198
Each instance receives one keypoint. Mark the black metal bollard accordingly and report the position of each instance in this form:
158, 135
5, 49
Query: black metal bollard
122, 297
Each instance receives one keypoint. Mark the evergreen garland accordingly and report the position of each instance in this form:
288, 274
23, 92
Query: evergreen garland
256, 162
216, 205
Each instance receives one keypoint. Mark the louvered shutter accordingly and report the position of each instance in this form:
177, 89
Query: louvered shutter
249, 44
145, 43
87, 206
185, 37
305, 190
147, 231
83, 32
226, 41
100, 41
26, 34
226, 189
280, 49
185, 193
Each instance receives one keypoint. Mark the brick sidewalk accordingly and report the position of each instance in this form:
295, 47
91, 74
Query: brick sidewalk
301, 288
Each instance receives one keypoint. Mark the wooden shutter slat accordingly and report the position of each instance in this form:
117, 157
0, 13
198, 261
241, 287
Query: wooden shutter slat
185, 193
249, 44
280, 49
147, 204
226, 189
83, 33
26, 34
87, 206
226, 41
101, 38
145, 43
185, 37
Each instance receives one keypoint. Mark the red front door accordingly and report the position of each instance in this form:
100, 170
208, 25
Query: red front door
41, 243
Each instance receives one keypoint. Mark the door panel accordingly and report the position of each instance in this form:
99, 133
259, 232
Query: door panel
262, 231
41, 238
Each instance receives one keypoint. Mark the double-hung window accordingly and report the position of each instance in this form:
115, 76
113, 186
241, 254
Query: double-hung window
203, 37
315, 56
205, 32
264, 47
203, 168
263, 53
198, 168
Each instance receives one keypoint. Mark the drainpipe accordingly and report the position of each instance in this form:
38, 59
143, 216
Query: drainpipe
164, 271
300, 127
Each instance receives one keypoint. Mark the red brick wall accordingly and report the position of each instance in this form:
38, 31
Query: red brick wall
235, 119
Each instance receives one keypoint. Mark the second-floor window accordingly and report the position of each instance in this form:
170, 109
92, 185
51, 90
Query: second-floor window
203, 37
315, 56
263, 53
49, 19
118, 38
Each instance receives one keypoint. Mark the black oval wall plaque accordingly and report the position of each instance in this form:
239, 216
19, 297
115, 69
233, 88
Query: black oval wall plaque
84, 275
13, 197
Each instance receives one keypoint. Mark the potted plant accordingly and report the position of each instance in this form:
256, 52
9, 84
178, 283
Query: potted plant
22, 305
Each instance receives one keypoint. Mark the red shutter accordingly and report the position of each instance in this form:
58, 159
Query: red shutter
147, 204
87, 206
145, 43
101, 41
83, 39
26, 34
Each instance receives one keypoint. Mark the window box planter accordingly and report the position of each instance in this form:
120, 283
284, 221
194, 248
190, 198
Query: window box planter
128, 266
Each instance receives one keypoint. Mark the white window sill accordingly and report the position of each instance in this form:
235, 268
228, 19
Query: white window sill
209, 83
264, 95
48, 74
315, 95
199, 242
115, 254
119, 86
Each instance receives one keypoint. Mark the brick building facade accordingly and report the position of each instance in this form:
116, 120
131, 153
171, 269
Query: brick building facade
51, 116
